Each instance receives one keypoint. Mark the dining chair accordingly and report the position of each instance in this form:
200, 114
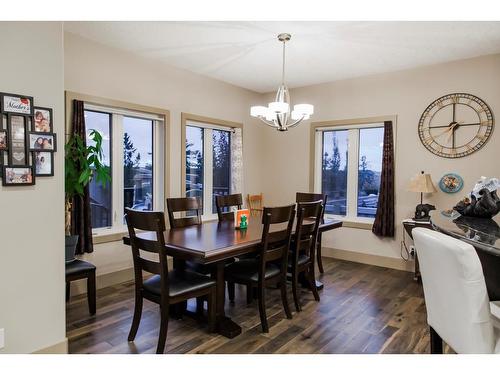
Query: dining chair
165, 287
77, 269
255, 204
187, 206
456, 299
225, 202
270, 267
184, 205
311, 197
301, 258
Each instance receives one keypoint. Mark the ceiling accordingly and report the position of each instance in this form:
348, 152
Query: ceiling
247, 54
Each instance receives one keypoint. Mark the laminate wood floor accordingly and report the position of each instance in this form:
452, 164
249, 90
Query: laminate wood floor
363, 309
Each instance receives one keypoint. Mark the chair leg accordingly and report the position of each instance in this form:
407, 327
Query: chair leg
436, 342
312, 282
212, 309
295, 281
162, 338
230, 291
262, 309
137, 316
318, 254
91, 293
199, 305
284, 298
67, 290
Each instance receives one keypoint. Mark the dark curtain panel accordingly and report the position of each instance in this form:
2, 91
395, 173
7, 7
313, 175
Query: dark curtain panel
383, 225
81, 223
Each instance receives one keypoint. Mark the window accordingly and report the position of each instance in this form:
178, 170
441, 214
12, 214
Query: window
135, 141
348, 164
208, 163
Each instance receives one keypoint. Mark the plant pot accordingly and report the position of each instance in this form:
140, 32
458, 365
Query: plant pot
71, 242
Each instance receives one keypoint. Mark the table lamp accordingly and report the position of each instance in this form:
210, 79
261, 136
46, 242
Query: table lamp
422, 183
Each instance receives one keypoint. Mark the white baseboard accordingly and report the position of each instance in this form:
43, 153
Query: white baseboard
59, 348
376, 260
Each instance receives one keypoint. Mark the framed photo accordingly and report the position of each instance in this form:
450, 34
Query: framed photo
4, 145
44, 163
42, 120
18, 154
16, 104
15, 176
42, 142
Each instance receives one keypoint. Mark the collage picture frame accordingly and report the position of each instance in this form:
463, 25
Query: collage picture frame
27, 140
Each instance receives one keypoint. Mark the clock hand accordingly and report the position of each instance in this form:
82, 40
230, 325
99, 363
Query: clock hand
452, 134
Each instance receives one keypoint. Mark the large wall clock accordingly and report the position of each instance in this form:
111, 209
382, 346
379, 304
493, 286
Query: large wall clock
456, 125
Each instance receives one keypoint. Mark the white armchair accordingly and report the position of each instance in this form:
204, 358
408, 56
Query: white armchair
458, 309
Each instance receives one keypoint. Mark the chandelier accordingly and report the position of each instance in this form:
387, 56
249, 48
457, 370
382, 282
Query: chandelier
277, 114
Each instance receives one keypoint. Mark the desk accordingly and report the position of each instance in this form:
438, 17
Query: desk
484, 235
212, 243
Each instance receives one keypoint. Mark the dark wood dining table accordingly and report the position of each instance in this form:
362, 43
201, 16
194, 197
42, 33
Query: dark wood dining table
484, 235
213, 243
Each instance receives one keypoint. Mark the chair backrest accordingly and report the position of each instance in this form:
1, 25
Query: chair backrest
276, 244
151, 221
306, 232
312, 197
255, 204
455, 292
223, 202
184, 205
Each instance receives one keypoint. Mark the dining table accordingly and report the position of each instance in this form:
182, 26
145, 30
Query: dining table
483, 234
213, 243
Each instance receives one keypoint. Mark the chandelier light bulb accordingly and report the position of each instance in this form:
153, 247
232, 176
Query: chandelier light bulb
279, 107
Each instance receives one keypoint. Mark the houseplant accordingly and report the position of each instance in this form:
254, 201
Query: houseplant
82, 163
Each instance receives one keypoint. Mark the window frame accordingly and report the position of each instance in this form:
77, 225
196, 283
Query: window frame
353, 126
161, 127
208, 124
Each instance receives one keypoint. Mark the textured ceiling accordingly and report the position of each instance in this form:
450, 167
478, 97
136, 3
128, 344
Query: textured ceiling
247, 54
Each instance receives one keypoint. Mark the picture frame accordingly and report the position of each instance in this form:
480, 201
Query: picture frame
42, 120
18, 150
16, 104
4, 140
18, 175
44, 163
42, 142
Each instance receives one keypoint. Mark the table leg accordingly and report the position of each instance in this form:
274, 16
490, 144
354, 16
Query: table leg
225, 326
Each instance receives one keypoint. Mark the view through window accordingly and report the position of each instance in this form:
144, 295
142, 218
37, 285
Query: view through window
129, 140
198, 183
337, 181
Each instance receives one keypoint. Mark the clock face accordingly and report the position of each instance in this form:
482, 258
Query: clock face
455, 125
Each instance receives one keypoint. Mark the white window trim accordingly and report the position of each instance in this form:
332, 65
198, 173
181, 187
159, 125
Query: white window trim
117, 114
352, 166
208, 214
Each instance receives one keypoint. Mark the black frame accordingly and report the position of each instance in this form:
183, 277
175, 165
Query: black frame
6, 140
51, 122
33, 158
9, 129
4, 174
2, 105
39, 134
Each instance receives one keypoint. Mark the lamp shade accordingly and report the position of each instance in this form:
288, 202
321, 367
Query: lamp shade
422, 183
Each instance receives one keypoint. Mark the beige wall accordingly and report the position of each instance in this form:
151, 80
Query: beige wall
405, 94
91, 68
32, 307
278, 164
